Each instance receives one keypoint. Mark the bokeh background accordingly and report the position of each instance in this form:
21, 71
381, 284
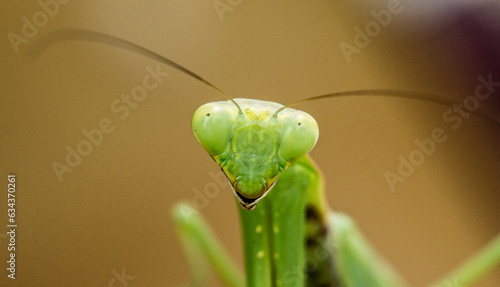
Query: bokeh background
112, 213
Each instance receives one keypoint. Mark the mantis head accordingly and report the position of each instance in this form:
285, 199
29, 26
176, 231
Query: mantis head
253, 143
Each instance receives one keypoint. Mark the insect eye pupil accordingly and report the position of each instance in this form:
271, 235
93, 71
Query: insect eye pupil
299, 124
208, 114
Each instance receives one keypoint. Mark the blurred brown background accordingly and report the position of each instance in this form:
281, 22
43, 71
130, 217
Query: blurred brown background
112, 212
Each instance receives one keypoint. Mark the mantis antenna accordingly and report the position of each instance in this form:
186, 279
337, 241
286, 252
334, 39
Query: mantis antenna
431, 97
93, 36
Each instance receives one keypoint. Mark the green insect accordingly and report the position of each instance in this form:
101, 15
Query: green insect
290, 236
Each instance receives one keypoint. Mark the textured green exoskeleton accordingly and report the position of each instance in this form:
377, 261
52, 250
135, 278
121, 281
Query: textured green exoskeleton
290, 237
253, 148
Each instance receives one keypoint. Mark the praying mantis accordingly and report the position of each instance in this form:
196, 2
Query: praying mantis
291, 237
261, 144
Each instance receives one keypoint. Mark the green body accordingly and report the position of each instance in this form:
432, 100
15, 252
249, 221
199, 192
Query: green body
290, 237
279, 237
299, 247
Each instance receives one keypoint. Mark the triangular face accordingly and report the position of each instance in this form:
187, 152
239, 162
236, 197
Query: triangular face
255, 147
249, 203
252, 163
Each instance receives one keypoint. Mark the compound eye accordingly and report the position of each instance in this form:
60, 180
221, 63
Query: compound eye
212, 127
299, 135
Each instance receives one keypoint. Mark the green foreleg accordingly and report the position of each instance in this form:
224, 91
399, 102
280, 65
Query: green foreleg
274, 232
337, 253
255, 227
357, 263
199, 243
273, 235
289, 241
287, 213
474, 269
